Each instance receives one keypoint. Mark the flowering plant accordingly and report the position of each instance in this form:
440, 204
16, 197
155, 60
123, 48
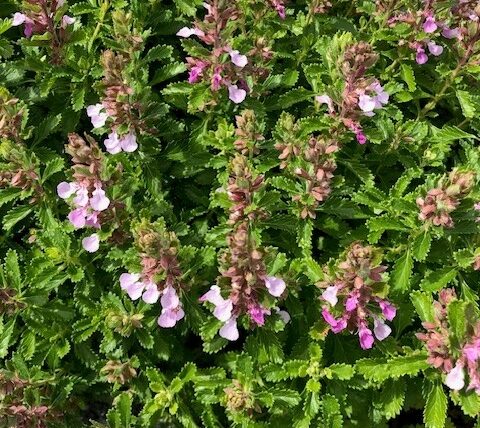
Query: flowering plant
239, 213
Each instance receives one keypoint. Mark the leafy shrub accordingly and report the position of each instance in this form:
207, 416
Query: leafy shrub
240, 213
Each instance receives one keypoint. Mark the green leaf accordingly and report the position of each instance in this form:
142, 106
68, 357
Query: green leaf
339, 371
466, 103
380, 369
46, 127
421, 246
9, 194
406, 72
52, 167
12, 270
402, 272
450, 133
435, 412
168, 71
456, 313
469, 402
392, 397
6, 331
438, 279
423, 305
15, 215
290, 98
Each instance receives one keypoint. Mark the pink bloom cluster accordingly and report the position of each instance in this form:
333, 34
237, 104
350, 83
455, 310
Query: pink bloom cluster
359, 304
226, 311
236, 92
39, 22
458, 362
87, 205
114, 143
223, 67
279, 7
370, 98
374, 97
172, 310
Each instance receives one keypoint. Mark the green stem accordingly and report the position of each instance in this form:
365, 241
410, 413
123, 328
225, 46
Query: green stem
101, 18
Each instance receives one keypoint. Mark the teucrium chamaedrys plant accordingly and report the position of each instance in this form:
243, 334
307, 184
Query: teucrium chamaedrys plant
239, 213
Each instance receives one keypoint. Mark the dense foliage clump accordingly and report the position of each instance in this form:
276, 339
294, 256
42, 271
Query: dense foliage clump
240, 213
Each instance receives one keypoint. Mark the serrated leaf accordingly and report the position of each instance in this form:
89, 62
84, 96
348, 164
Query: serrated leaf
435, 412
406, 72
423, 305
438, 279
421, 246
15, 215
402, 272
466, 103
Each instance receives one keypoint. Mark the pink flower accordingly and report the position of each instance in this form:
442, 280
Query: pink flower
284, 315
366, 103
238, 59
81, 197
77, 217
91, 243
430, 26
187, 32
135, 290
275, 286
229, 330
361, 137
67, 20
213, 296
330, 295
421, 56
477, 206
223, 310
98, 201
434, 49
389, 311
381, 96
380, 329
325, 99
196, 71
28, 30
257, 314
236, 95
151, 293
96, 115
366, 337
129, 142
127, 279
352, 302
65, 190
169, 298
472, 351
115, 144
92, 220
169, 317
223, 307
336, 325
450, 33
455, 378
18, 19
216, 79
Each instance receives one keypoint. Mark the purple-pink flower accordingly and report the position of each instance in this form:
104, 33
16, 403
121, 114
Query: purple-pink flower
275, 286
238, 59
430, 26
91, 243
97, 115
236, 94
116, 144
